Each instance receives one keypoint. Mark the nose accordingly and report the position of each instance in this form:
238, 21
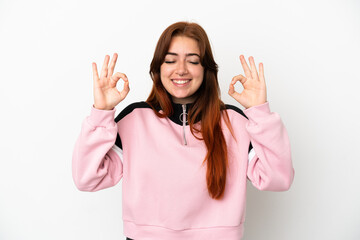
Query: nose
181, 68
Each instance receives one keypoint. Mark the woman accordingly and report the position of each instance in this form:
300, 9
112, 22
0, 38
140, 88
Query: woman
183, 155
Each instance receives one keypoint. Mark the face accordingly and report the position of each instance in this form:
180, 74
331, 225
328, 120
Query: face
182, 73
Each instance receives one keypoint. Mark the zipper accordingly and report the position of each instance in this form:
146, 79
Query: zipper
184, 122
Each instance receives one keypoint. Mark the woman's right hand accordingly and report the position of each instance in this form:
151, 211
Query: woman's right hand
106, 95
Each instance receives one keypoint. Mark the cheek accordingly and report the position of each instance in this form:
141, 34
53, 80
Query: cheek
198, 73
165, 74
162, 74
165, 71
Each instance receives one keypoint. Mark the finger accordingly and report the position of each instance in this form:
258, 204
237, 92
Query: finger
112, 65
115, 78
125, 90
254, 72
126, 87
245, 66
104, 69
239, 78
233, 93
231, 89
261, 72
95, 72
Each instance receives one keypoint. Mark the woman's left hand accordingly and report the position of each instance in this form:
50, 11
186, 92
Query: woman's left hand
254, 92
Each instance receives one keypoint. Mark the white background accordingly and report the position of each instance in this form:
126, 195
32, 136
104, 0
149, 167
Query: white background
310, 51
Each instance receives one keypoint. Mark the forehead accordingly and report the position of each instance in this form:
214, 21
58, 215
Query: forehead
183, 45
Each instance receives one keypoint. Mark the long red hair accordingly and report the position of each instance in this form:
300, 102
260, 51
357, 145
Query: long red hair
207, 107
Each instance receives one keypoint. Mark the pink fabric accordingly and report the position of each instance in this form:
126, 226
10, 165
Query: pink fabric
95, 166
164, 182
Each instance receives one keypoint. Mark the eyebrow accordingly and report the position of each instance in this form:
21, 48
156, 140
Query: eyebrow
187, 55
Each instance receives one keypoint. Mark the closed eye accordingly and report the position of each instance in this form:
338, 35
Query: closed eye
169, 61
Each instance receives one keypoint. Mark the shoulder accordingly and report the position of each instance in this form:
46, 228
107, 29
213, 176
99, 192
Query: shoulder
126, 111
233, 109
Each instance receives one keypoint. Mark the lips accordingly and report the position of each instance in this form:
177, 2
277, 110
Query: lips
181, 82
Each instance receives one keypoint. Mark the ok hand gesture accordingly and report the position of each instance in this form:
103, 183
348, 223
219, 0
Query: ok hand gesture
106, 95
254, 92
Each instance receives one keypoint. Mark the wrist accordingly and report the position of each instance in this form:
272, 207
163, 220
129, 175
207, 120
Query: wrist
102, 108
256, 104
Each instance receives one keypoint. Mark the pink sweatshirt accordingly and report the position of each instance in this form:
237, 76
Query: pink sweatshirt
163, 180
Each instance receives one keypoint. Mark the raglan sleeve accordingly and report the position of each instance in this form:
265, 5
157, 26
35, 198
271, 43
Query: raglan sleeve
270, 168
96, 160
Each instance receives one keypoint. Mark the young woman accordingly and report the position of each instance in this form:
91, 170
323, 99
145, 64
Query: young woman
183, 155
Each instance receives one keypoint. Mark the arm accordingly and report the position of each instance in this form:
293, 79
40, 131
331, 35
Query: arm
271, 167
96, 163
96, 160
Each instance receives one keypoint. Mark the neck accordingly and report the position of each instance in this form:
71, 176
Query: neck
187, 100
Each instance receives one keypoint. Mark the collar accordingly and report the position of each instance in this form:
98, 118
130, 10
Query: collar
179, 110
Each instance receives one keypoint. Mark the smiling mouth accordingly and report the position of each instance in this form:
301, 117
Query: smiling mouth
181, 81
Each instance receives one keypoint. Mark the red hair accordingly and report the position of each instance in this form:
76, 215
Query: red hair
206, 107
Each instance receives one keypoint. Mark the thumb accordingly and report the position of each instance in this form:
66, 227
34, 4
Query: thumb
115, 78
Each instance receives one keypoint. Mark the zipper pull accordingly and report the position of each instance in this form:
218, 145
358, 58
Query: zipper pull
184, 114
